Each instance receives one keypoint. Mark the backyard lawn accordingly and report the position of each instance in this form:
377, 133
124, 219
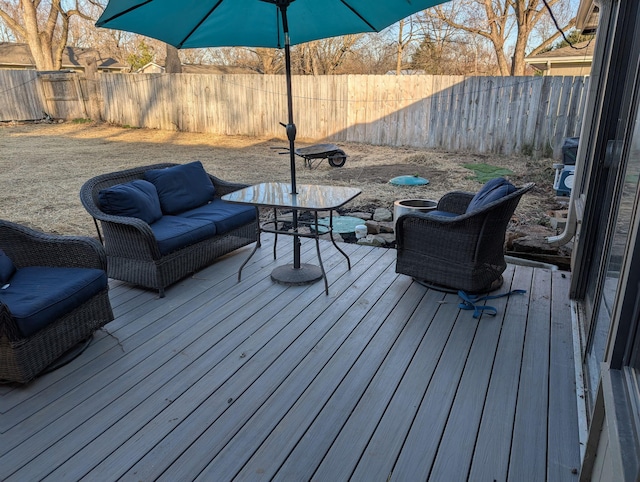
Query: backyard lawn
43, 166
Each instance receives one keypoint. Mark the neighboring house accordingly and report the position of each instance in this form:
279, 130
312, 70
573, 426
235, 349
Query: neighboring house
567, 60
153, 68
18, 56
587, 16
604, 223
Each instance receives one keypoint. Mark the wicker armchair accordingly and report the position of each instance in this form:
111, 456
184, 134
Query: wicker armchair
23, 357
461, 251
133, 254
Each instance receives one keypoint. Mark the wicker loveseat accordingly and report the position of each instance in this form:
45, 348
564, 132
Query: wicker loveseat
187, 231
53, 295
460, 245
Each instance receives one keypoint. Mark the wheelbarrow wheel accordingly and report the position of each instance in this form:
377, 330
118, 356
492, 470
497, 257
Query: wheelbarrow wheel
338, 158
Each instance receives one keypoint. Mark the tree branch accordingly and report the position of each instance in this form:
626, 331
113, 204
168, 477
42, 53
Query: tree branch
544, 45
13, 25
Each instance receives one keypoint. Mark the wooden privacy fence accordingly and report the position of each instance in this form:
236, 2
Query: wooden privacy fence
20, 95
504, 115
32, 95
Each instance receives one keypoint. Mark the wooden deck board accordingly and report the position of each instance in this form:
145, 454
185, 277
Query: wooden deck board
530, 427
493, 441
255, 380
421, 445
299, 360
363, 392
562, 387
456, 448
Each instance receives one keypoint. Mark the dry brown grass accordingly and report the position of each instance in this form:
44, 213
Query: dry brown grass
43, 166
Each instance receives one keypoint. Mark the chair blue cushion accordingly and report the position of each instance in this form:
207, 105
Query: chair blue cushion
137, 199
6, 268
182, 187
39, 295
492, 191
173, 232
226, 216
442, 214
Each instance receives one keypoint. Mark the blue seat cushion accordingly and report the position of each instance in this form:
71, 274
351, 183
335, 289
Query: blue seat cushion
7, 268
182, 187
39, 295
492, 191
226, 216
442, 214
137, 199
174, 232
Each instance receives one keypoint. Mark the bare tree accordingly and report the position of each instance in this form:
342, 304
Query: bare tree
323, 57
443, 50
172, 63
404, 40
528, 14
44, 26
496, 21
373, 54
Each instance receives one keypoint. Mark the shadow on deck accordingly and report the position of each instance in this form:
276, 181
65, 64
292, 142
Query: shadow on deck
382, 379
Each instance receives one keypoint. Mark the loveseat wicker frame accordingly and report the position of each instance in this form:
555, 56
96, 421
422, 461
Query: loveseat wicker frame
465, 252
132, 251
22, 358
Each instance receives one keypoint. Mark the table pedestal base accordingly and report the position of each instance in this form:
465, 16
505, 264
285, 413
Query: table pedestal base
305, 274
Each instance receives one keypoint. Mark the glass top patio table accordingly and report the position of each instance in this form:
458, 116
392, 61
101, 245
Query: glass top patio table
310, 197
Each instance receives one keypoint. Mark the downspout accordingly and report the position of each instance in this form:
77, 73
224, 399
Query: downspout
572, 216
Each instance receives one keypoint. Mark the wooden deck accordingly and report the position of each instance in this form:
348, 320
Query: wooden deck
381, 380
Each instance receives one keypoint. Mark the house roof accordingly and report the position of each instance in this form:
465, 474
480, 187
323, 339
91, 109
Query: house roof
588, 16
215, 69
204, 69
19, 55
580, 54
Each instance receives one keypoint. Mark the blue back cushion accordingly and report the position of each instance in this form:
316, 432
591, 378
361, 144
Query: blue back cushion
6, 268
226, 216
136, 199
492, 191
40, 295
182, 187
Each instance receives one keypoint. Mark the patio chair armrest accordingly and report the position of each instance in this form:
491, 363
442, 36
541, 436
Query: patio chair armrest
225, 187
127, 237
451, 238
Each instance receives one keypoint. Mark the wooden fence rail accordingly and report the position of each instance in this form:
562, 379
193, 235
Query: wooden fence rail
503, 115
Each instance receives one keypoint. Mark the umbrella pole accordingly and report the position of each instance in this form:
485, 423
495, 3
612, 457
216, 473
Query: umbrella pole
291, 130
296, 273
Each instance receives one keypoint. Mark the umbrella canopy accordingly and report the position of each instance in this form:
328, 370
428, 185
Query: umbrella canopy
253, 23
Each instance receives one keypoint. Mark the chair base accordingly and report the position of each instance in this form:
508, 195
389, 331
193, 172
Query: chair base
496, 284
67, 357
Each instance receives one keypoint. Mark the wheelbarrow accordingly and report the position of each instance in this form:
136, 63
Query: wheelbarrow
313, 155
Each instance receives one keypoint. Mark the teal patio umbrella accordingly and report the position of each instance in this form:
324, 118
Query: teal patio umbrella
257, 23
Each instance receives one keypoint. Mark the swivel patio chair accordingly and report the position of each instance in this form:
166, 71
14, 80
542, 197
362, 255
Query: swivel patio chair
53, 297
460, 245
